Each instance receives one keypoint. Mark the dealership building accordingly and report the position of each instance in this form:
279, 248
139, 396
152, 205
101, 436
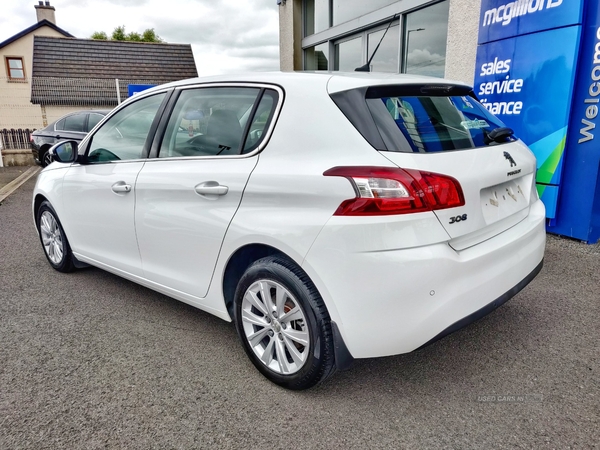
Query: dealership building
533, 63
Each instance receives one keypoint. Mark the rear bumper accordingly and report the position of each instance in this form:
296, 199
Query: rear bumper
393, 301
487, 308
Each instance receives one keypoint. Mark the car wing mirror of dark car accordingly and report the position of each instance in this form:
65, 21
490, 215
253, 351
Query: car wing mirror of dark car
64, 152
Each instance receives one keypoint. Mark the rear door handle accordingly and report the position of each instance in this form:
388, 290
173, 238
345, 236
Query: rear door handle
211, 188
120, 187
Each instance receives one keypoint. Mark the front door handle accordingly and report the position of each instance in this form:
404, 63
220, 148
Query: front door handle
120, 187
211, 188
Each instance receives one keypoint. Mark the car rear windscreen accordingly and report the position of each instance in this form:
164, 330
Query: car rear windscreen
427, 122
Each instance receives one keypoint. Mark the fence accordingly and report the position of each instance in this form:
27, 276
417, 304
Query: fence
35, 102
15, 139
83, 92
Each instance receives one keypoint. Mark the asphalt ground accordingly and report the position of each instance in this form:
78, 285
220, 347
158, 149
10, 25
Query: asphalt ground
89, 361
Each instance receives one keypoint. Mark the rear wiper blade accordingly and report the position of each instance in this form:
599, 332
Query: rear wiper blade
500, 134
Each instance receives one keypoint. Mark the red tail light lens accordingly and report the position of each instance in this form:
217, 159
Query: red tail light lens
388, 191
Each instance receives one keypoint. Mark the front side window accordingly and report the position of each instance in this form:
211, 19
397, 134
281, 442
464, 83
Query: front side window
124, 136
15, 68
76, 122
217, 121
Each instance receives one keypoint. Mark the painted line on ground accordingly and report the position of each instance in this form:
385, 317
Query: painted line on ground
17, 182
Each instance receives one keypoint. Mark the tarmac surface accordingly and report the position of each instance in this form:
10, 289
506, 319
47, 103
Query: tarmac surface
89, 360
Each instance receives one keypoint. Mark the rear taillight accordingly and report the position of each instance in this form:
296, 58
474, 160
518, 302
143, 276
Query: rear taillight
387, 191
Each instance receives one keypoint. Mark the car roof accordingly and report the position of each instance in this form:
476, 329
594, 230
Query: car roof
333, 81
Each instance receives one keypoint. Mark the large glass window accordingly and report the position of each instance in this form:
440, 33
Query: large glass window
348, 55
419, 49
345, 10
124, 135
387, 57
425, 35
316, 58
316, 13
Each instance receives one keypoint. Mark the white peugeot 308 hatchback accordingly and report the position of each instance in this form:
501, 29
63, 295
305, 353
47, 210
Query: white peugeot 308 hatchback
330, 216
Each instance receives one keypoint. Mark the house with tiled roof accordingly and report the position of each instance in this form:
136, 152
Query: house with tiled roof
86, 72
49, 73
16, 55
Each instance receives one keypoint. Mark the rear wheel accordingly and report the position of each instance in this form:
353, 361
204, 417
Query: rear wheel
53, 238
283, 324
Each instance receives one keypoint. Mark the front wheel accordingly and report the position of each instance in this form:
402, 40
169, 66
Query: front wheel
53, 238
283, 324
47, 158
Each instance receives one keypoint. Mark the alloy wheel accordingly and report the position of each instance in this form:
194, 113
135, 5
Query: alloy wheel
275, 327
52, 239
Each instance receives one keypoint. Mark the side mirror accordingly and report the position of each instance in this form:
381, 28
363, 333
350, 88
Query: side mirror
64, 152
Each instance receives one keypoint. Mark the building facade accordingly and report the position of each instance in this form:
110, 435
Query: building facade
437, 38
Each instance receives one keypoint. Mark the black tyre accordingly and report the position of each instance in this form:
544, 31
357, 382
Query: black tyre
53, 239
46, 158
283, 324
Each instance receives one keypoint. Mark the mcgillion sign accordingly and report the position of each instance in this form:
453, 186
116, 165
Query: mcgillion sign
504, 14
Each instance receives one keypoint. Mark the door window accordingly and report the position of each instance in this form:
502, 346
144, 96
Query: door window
212, 121
124, 135
74, 122
93, 120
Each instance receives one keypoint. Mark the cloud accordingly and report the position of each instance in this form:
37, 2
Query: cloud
225, 36
423, 62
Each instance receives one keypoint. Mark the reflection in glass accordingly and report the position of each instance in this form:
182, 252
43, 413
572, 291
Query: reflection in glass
316, 13
425, 37
386, 59
344, 10
348, 55
316, 58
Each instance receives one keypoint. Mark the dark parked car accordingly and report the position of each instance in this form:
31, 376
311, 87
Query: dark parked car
73, 126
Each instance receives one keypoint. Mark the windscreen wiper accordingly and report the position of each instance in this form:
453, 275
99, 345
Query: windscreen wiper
498, 135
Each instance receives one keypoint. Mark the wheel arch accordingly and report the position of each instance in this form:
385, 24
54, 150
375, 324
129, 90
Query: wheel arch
239, 261
37, 202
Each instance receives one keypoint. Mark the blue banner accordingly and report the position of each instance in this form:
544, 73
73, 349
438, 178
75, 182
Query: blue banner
500, 19
527, 82
579, 202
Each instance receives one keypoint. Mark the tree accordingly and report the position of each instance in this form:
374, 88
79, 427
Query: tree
118, 34
99, 35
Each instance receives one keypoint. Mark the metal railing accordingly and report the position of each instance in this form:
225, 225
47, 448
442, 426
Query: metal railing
15, 139
35, 102
83, 92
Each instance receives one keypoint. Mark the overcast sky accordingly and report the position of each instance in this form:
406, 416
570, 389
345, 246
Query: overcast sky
226, 35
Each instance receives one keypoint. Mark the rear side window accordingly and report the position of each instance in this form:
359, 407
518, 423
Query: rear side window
93, 120
218, 121
418, 118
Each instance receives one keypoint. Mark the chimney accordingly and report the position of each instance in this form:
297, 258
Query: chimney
45, 11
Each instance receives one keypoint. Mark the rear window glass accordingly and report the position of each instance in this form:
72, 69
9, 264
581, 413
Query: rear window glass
427, 124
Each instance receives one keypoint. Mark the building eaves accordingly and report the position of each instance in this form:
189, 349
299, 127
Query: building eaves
26, 31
